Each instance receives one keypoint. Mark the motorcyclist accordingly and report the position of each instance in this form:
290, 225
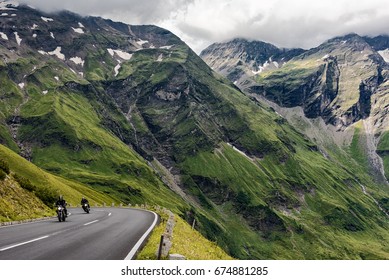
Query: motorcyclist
61, 201
83, 201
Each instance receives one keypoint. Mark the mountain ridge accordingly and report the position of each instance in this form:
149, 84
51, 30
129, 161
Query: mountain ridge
353, 42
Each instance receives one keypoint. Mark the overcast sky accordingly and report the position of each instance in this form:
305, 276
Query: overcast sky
285, 23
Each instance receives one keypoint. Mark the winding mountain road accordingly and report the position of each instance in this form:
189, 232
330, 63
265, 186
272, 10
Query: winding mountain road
104, 234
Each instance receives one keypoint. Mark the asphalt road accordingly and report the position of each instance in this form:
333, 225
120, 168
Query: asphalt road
103, 234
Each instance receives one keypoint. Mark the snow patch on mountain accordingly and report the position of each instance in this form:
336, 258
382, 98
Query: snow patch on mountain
142, 42
117, 68
384, 54
77, 60
111, 52
166, 47
45, 19
3, 36
78, 30
260, 69
257, 72
56, 52
17, 38
120, 53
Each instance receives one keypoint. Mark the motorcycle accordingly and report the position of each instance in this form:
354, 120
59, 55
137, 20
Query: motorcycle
61, 213
86, 207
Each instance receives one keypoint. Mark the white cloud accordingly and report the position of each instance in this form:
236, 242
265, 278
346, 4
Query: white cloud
285, 23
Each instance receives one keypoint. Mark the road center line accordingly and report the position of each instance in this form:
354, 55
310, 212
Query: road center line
23, 243
91, 222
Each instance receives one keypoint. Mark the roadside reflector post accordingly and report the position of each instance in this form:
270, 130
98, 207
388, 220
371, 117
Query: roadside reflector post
160, 247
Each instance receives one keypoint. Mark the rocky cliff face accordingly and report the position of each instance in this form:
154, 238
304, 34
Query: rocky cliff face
334, 81
241, 59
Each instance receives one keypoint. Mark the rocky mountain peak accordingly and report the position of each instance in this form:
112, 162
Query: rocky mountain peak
240, 58
334, 80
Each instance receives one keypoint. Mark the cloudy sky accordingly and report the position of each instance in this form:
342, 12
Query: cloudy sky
285, 23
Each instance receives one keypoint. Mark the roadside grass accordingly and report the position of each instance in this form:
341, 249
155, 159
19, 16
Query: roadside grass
186, 241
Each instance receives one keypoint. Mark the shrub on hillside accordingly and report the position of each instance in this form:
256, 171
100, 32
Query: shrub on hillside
25, 183
47, 195
4, 166
3, 175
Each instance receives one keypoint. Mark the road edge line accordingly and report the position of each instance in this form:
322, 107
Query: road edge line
135, 249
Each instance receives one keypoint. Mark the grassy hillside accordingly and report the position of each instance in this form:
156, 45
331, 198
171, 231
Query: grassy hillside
288, 208
29, 192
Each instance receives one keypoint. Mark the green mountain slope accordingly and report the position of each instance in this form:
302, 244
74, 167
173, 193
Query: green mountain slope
134, 113
29, 192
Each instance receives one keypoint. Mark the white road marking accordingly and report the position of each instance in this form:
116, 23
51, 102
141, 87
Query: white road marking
23, 243
109, 214
132, 253
91, 222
